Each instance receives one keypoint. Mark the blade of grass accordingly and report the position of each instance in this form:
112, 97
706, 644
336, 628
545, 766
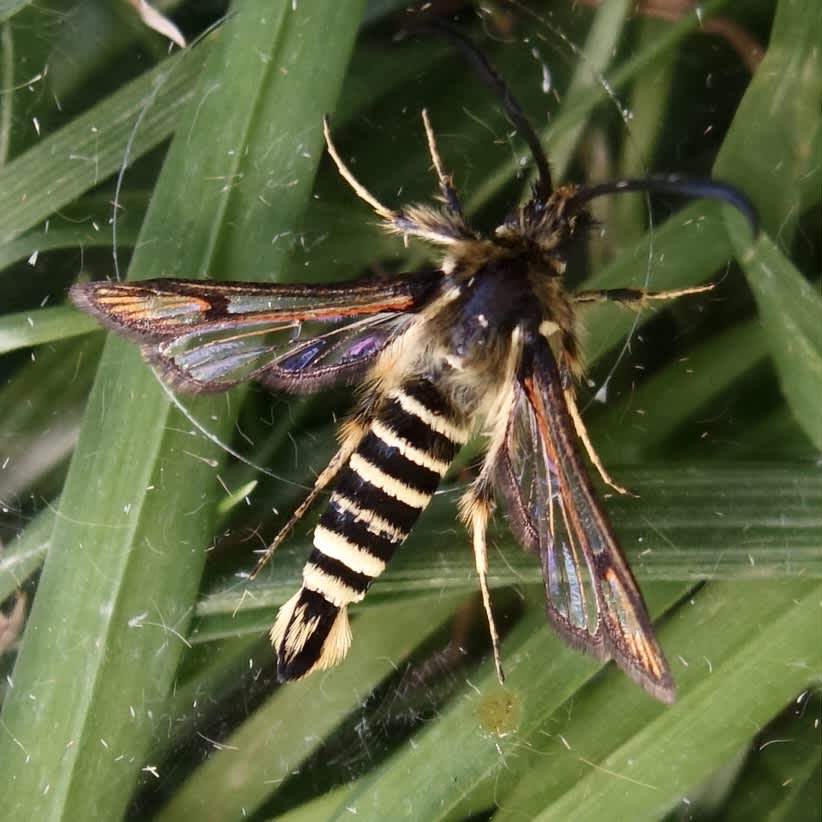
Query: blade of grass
687, 249
236, 780
26, 554
41, 241
88, 150
790, 309
735, 521
480, 731
786, 764
320, 807
10, 7
29, 328
35, 435
770, 144
605, 750
597, 53
769, 632
766, 155
114, 601
643, 62
649, 106
676, 393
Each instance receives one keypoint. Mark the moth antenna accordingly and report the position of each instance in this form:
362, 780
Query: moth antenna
488, 74
387, 214
696, 187
444, 179
415, 221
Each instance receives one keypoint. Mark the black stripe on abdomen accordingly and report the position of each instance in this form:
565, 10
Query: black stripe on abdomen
390, 459
426, 393
357, 530
382, 490
413, 430
341, 571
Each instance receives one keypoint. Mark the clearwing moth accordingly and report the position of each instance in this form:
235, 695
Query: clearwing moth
484, 344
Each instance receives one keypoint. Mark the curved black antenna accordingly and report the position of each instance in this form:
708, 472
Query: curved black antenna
510, 104
673, 184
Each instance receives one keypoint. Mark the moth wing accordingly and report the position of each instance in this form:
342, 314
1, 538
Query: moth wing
205, 336
593, 600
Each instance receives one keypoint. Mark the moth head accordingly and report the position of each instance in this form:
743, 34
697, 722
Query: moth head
545, 226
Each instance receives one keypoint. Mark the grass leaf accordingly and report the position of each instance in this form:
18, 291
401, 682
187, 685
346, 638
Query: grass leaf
134, 546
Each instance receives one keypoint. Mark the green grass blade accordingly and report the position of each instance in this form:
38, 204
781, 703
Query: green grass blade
790, 309
115, 597
8, 8
598, 52
642, 63
479, 731
766, 155
240, 778
686, 250
45, 178
676, 394
785, 764
729, 521
37, 433
771, 633
25, 555
564, 751
37, 242
30, 328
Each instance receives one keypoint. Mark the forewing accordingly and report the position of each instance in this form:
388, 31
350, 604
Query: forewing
592, 598
207, 336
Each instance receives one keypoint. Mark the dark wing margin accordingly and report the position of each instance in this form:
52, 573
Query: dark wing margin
207, 336
593, 600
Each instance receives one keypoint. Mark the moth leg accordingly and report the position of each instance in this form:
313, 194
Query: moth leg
445, 180
477, 504
582, 433
353, 432
476, 508
636, 297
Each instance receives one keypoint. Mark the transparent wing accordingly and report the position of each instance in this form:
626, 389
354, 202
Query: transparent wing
207, 336
593, 600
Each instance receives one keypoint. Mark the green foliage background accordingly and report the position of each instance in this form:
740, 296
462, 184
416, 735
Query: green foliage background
142, 687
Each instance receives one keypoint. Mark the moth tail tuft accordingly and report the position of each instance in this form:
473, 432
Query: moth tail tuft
310, 634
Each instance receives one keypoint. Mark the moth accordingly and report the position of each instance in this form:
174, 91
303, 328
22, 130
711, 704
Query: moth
485, 344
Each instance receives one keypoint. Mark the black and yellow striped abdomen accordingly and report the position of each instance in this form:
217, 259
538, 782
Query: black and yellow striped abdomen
380, 492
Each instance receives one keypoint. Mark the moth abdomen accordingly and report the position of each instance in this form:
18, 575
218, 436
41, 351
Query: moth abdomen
380, 492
